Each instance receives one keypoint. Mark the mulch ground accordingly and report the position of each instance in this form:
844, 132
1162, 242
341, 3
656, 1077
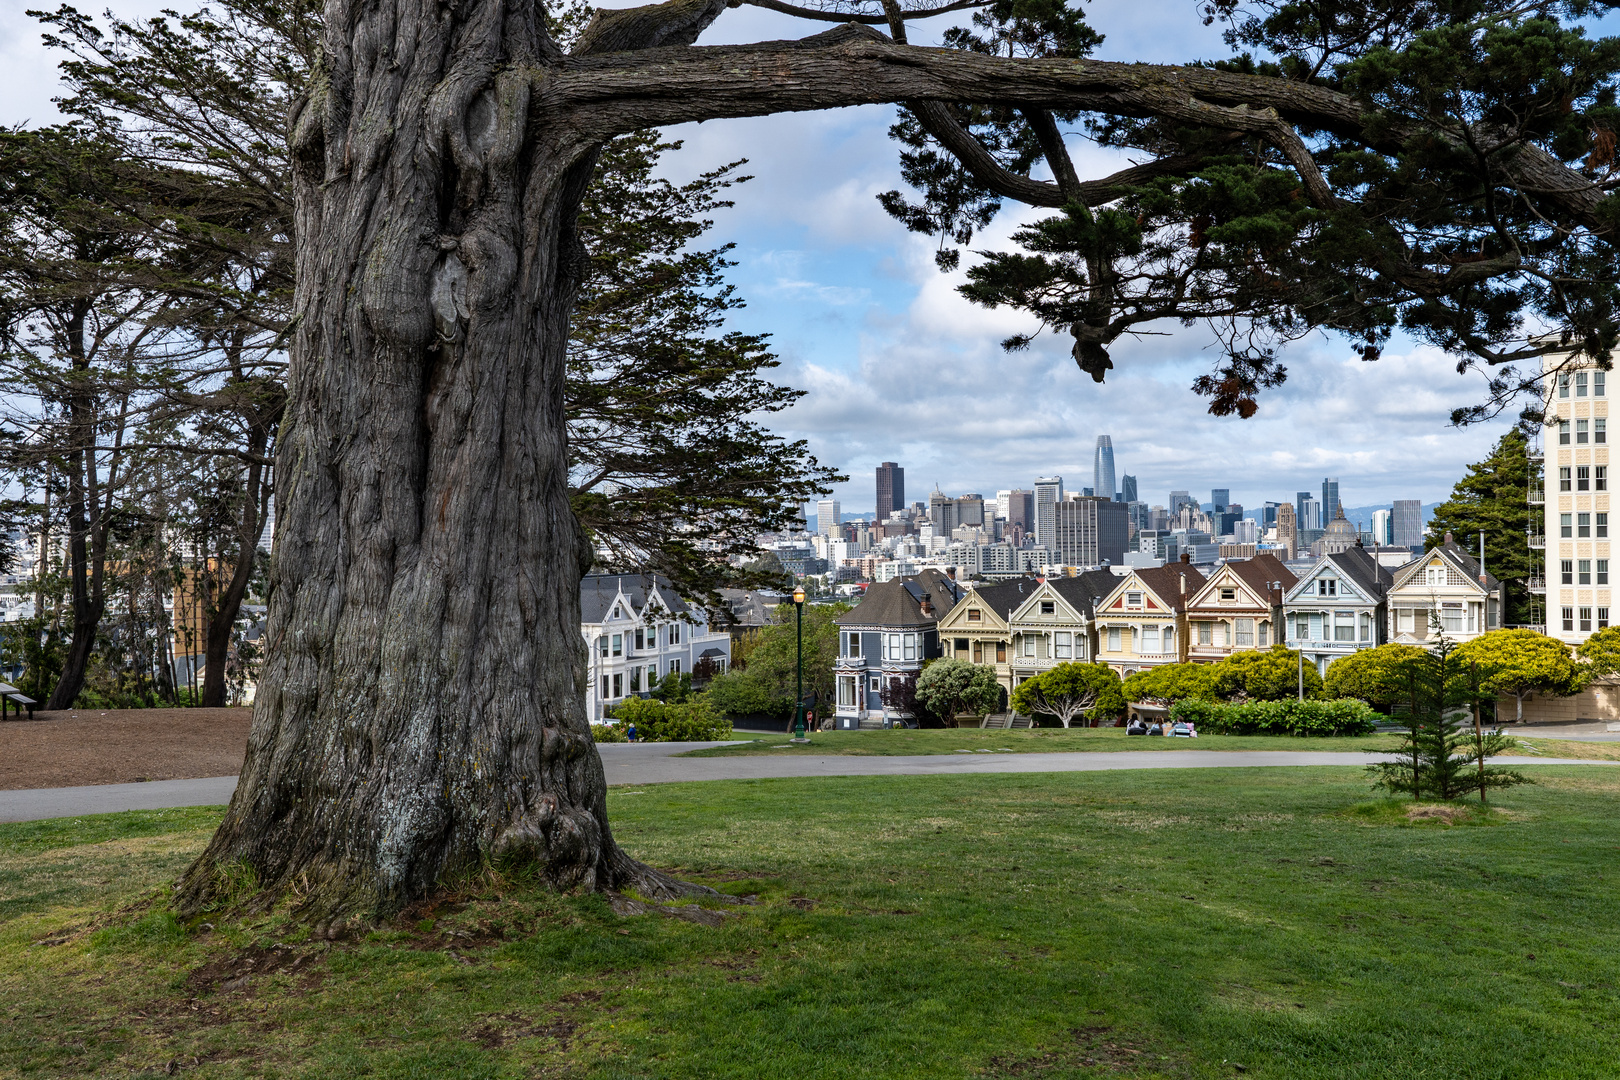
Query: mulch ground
119, 746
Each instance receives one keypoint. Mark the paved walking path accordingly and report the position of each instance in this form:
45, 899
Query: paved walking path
656, 763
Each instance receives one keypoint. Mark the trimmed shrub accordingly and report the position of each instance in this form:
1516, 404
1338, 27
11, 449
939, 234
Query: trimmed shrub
658, 721
608, 733
1345, 716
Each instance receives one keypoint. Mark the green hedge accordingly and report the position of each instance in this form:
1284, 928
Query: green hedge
658, 721
1345, 716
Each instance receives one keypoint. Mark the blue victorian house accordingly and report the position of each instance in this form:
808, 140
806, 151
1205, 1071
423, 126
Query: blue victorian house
884, 641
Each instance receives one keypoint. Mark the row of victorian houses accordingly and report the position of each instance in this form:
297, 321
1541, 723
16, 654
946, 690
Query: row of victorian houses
1168, 614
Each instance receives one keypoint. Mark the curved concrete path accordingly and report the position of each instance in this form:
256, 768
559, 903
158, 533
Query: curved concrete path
657, 763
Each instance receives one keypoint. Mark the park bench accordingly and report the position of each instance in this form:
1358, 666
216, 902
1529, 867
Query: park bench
10, 695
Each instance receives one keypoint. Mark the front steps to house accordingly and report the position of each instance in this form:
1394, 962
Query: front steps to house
1007, 720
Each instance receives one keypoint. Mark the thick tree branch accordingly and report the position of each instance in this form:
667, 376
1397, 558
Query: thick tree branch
857, 17
855, 65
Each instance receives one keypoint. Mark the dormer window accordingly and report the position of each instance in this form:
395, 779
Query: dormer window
1228, 594
1133, 599
1048, 607
1437, 574
974, 615
1327, 586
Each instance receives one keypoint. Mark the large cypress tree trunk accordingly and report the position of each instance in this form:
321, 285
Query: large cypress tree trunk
420, 714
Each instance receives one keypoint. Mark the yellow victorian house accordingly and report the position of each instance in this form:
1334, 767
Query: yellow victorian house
1142, 623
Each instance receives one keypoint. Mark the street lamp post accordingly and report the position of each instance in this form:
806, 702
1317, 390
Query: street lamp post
798, 699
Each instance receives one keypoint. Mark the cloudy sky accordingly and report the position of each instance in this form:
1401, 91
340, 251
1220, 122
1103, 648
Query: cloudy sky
899, 367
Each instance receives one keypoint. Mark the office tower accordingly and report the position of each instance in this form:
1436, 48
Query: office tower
1218, 500
1330, 501
942, 512
1102, 469
1004, 504
1268, 515
828, 517
1021, 510
1048, 493
1406, 524
1178, 499
1088, 530
1310, 516
891, 489
1380, 527
1127, 488
1302, 520
970, 510
1286, 534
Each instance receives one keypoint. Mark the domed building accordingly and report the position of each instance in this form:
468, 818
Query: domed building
1340, 537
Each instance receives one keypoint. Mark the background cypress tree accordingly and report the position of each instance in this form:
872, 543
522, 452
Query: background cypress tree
1490, 498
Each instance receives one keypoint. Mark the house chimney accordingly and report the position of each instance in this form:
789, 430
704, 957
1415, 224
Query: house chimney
927, 604
1482, 579
1450, 541
1186, 557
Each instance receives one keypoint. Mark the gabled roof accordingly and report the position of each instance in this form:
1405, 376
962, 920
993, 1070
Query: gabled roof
898, 602
1357, 566
1164, 582
1083, 590
1256, 575
1001, 598
1451, 552
598, 591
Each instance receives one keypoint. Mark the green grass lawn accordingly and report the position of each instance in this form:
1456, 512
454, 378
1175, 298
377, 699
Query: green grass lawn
894, 741
1175, 923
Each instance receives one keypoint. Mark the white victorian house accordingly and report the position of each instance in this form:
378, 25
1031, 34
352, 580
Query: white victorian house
1337, 607
1445, 584
638, 630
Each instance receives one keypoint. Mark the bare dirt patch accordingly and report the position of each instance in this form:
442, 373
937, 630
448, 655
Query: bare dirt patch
121, 746
1439, 812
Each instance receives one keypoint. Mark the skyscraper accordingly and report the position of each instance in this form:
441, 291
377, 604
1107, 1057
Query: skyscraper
1286, 534
1127, 488
1089, 530
1330, 500
1406, 525
891, 489
1310, 516
828, 517
970, 509
942, 512
1003, 503
1021, 510
1048, 493
1102, 468
1177, 498
1301, 519
1381, 521
1219, 498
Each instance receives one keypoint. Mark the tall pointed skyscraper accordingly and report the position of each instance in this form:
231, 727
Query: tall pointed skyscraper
1102, 469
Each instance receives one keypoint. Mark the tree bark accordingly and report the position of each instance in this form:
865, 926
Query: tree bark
420, 713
